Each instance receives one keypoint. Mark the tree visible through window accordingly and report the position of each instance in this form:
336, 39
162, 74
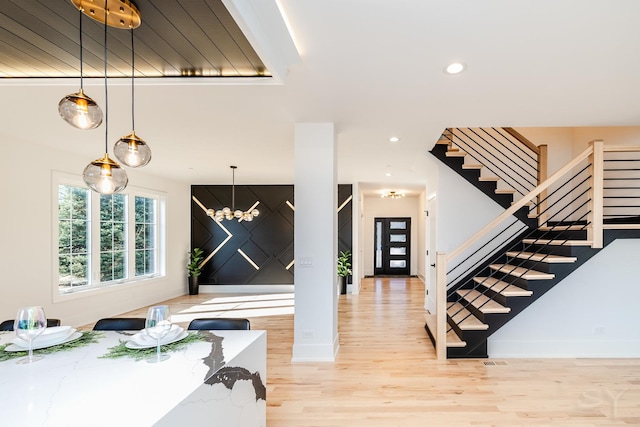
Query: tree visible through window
113, 237
145, 236
73, 236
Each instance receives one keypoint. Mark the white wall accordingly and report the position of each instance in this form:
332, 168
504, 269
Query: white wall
27, 248
591, 313
377, 207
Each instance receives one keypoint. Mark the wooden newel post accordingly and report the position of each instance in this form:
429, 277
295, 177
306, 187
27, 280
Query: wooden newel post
441, 306
543, 171
595, 217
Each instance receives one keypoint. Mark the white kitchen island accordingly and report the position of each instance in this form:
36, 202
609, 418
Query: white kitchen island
221, 382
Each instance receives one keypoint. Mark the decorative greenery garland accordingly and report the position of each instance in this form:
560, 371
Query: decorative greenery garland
88, 337
121, 350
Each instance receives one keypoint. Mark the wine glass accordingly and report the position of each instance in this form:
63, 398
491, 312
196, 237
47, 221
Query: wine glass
30, 323
157, 326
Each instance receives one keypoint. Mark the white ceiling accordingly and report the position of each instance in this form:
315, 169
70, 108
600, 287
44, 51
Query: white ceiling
375, 69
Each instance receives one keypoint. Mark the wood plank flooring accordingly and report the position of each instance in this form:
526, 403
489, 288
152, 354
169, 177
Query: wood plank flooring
386, 373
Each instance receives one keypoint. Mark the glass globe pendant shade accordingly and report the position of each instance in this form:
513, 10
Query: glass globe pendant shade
80, 111
132, 151
105, 176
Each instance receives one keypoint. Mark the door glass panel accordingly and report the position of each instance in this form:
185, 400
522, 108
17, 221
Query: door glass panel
398, 251
397, 263
397, 225
395, 238
378, 244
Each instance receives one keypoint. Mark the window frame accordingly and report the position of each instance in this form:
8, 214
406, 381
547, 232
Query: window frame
95, 286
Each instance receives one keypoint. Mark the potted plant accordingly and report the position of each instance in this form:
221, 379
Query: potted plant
344, 269
194, 269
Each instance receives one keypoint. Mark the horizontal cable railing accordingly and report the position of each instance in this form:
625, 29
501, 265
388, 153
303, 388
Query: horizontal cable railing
501, 153
621, 188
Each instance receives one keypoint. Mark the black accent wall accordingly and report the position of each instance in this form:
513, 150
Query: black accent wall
267, 241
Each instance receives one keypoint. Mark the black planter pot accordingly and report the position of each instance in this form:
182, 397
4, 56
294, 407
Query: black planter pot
343, 284
193, 285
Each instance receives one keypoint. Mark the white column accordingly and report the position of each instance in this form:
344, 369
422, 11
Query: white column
315, 329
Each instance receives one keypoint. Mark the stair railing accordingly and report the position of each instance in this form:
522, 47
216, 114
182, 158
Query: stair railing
443, 259
611, 200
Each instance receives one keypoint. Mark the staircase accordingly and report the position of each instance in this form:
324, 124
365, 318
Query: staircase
521, 270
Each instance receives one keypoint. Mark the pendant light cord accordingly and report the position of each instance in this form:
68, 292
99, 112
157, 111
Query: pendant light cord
233, 189
133, 71
81, 73
106, 97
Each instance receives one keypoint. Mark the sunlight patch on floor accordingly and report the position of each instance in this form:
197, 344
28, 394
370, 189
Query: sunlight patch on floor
244, 306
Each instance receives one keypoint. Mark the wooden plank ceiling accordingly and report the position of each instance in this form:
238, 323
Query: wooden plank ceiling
40, 38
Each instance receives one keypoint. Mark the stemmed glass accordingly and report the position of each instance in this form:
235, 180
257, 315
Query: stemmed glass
158, 326
30, 323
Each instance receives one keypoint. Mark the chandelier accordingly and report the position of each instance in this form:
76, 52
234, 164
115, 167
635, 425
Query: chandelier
392, 195
232, 212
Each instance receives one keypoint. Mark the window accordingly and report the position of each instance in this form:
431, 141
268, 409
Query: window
105, 239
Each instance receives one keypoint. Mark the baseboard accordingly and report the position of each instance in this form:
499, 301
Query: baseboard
245, 289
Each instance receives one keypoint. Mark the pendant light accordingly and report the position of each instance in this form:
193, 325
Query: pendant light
104, 175
78, 109
231, 212
131, 150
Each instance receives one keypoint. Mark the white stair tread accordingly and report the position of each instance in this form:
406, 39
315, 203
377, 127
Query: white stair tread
464, 319
505, 191
472, 166
557, 242
455, 153
488, 178
521, 272
540, 257
504, 288
562, 227
482, 302
453, 340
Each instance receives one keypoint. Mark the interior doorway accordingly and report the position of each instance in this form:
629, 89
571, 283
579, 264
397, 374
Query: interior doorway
392, 247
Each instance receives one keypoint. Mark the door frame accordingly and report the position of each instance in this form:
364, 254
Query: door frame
385, 269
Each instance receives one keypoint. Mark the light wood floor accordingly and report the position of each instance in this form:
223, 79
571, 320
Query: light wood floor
386, 374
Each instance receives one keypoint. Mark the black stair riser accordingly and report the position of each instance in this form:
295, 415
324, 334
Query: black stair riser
544, 267
560, 234
563, 250
477, 351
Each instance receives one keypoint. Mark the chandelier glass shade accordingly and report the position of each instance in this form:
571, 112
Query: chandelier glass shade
230, 213
77, 109
105, 176
132, 151
392, 195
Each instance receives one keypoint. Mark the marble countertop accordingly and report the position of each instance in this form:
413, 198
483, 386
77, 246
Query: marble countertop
78, 387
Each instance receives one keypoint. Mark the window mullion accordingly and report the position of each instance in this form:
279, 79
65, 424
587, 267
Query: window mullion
94, 226
131, 238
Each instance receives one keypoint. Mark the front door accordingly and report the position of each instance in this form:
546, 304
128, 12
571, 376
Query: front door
392, 240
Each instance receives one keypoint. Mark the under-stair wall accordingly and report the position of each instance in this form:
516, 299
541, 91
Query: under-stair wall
591, 313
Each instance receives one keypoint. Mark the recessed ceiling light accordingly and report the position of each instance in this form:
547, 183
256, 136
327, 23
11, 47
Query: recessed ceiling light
455, 68
388, 174
394, 139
